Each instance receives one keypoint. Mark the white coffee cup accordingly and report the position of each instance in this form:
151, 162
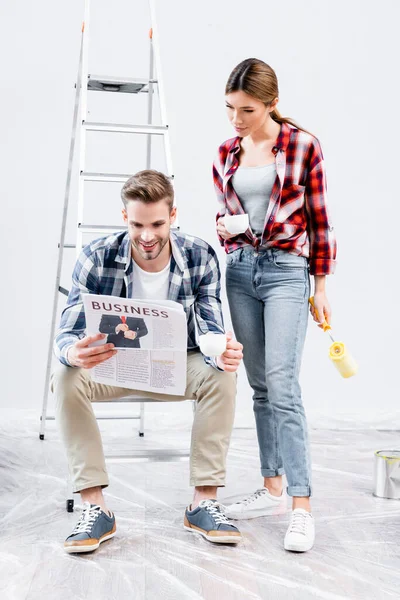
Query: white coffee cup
212, 344
236, 223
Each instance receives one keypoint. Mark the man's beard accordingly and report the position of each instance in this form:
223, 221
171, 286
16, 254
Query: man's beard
151, 254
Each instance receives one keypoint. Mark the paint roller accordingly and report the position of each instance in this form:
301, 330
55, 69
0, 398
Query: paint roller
343, 361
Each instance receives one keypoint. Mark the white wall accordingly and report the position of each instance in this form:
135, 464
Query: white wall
338, 73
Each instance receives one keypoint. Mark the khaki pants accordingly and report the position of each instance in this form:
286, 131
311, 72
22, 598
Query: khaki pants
214, 391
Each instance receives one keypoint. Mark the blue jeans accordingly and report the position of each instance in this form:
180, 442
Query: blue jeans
268, 295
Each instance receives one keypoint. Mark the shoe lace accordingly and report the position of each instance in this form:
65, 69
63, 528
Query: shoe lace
253, 496
216, 511
87, 518
298, 523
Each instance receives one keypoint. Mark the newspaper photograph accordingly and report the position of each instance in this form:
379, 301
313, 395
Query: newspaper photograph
150, 339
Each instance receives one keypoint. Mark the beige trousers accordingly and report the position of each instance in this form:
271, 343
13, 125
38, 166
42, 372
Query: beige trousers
214, 391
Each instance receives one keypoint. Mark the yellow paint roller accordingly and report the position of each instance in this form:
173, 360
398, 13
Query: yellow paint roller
343, 361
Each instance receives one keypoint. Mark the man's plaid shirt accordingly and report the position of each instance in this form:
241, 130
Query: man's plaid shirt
297, 218
105, 267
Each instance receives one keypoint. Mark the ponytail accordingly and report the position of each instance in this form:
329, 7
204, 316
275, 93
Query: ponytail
277, 117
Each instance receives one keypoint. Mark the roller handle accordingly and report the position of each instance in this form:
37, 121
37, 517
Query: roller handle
325, 326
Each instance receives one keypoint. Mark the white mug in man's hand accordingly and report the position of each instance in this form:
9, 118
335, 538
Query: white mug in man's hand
213, 344
236, 223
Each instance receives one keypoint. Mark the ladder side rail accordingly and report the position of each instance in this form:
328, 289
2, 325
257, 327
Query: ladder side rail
82, 141
158, 63
148, 163
161, 98
61, 244
150, 100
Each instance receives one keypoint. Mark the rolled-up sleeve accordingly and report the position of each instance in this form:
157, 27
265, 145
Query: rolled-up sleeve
73, 323
322, 259
208, 303
218, 187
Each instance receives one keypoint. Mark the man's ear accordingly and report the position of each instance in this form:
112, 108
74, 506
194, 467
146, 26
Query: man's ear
124, 215
172, 215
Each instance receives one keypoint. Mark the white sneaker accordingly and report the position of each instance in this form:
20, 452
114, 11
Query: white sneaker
300, 535
259, 504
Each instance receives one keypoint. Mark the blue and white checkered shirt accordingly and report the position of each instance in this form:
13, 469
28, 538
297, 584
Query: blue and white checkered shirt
105, 267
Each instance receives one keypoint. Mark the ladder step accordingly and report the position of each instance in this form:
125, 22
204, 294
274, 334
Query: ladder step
104, 177
100, 228
108, 177
127, 85
116, 128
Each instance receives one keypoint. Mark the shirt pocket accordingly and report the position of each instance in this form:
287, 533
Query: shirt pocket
292, 199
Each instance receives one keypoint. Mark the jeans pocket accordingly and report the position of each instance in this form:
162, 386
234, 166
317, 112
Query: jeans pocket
287, 261
233, 257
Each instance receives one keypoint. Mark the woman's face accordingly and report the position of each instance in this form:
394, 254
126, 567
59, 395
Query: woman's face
246, 113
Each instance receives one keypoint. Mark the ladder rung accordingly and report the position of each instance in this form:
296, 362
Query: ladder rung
116, 128
104, 177
109, 177
100, 228
63, 290
127, 85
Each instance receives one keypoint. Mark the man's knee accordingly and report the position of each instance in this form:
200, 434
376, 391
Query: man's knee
65, 381
222, 384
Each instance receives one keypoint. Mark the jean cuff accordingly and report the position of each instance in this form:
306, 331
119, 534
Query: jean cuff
300, 491
272, 472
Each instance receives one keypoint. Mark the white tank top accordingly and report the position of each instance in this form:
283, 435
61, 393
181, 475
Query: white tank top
253, 186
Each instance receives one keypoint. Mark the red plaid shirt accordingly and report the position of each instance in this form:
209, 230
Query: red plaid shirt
297, 218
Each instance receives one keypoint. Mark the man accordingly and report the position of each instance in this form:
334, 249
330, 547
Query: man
123, 332
148, 261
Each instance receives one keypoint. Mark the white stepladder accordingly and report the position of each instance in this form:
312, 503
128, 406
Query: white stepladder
86, 83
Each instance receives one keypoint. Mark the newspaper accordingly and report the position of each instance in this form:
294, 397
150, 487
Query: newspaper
151, 340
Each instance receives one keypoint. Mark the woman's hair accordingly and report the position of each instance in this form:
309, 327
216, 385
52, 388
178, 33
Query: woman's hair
257, 79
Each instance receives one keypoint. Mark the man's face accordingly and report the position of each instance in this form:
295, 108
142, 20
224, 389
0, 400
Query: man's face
149, 227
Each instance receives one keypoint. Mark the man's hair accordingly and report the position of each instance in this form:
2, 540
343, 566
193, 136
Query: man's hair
148, 186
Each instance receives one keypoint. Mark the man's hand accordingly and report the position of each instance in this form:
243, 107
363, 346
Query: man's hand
131, 335
121, 327
222, 230
79, 355
230, 359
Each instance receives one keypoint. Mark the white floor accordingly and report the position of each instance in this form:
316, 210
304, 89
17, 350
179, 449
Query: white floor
356, 555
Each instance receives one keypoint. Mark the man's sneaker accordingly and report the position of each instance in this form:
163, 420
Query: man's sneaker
209, 520
301, 531
93, 528
259, 504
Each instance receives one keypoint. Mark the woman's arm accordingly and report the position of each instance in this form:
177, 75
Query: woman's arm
222, 232
321, 234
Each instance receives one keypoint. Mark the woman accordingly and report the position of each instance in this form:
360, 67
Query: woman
273, 170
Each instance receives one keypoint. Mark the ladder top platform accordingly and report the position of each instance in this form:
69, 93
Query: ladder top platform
108, 83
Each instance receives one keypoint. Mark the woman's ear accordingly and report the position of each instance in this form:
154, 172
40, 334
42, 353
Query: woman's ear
274, 104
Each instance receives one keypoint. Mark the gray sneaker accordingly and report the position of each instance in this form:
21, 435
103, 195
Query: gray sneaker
209, 520
93, 528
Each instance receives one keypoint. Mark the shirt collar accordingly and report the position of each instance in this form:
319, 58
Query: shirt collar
282, 141
125, 256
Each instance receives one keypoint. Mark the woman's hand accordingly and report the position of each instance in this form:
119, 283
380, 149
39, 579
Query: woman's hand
222, 231
231, 358
321, 310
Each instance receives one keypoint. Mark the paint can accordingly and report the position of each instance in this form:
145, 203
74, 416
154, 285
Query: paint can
387, 474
